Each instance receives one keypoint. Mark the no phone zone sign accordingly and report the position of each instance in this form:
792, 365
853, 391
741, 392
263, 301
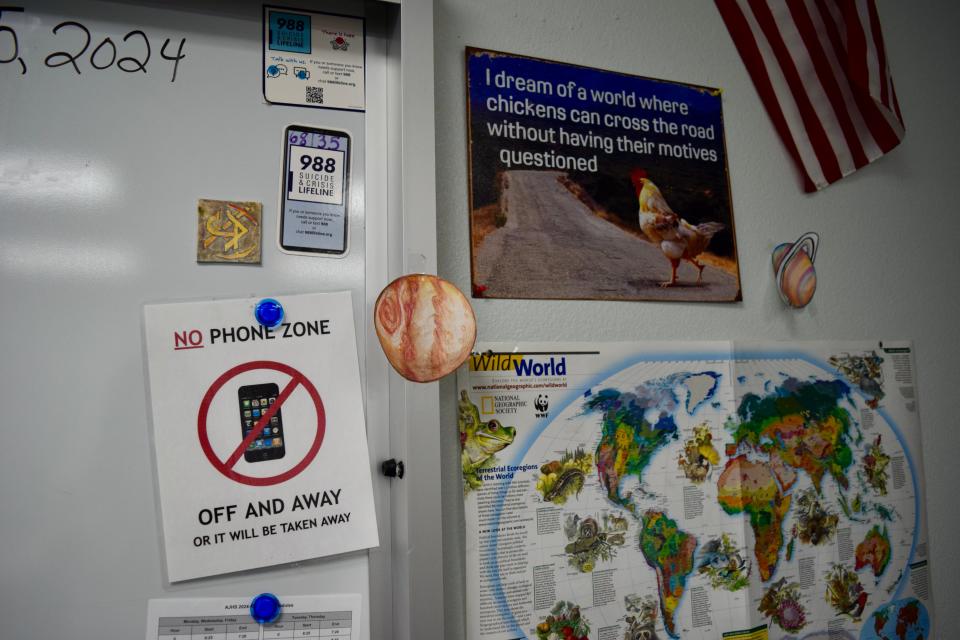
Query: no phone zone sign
259, 434
226, 465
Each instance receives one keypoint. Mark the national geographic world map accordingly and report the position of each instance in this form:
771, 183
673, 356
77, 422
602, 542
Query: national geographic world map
738, 490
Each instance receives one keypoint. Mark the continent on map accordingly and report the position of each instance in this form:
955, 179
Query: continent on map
700, 388
669, 551
874, 551
899, 620
750, 487
628, 439
800, 426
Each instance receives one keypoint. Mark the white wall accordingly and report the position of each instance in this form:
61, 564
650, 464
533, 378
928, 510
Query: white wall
888, 261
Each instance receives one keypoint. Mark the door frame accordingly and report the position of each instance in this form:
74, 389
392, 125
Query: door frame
406, 579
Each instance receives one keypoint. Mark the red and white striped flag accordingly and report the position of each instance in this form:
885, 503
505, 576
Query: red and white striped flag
821, 71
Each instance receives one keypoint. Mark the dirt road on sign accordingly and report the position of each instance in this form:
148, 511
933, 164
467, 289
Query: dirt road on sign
553, 246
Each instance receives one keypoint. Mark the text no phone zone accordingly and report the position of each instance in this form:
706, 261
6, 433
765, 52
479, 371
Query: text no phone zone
226, 467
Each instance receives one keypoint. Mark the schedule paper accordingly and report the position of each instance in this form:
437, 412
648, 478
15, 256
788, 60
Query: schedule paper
328, 616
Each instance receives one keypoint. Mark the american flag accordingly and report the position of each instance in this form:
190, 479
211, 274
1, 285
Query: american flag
822, 73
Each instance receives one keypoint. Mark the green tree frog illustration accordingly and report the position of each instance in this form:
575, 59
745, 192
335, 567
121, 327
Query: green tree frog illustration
479, 441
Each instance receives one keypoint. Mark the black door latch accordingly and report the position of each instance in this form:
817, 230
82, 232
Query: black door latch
392, 468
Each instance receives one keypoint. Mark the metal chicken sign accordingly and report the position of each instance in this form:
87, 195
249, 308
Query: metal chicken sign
595, 185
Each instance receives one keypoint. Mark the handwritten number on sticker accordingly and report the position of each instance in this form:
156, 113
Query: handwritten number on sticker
137, 65
66, 57
16, 43
93, 56
175, 59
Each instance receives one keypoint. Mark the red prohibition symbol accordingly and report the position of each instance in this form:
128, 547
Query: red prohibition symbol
226, 467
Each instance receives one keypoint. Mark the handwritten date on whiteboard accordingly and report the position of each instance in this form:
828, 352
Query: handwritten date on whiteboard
81, 53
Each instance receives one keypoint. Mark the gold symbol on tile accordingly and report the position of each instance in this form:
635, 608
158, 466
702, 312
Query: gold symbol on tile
228, 231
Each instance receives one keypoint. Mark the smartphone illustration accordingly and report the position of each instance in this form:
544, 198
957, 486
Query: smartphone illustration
255, 401
315, 191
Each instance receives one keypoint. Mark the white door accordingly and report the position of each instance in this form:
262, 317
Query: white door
101, 167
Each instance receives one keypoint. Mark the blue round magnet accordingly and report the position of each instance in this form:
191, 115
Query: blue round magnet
269, 313
265, 608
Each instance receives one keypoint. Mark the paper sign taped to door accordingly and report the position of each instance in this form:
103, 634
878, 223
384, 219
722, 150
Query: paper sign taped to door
258, 433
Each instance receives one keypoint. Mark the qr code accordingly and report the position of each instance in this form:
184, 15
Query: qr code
314, 95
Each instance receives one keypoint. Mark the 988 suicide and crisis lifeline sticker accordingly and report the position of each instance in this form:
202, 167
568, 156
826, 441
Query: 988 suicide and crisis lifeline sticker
315, 191
313, 59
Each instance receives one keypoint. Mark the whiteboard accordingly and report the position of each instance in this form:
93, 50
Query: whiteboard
100, 173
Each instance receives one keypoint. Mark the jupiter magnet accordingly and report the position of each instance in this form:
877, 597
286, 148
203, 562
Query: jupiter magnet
425, 325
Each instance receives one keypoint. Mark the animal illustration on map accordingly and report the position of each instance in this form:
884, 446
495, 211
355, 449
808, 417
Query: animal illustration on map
479, 441
591, 541
865, 371
642, 622
560, 479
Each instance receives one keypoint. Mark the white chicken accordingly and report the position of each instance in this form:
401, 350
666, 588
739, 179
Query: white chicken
677, 238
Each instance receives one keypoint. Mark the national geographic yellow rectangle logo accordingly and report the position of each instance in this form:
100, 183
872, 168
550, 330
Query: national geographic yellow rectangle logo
495, 361
488, 405
757, 633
